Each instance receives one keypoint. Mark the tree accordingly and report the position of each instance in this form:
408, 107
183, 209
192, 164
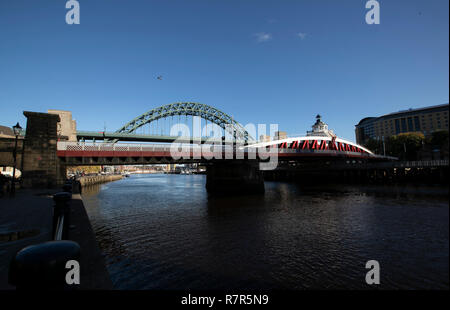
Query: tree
439, 138
374, 145
439, 142
405, 146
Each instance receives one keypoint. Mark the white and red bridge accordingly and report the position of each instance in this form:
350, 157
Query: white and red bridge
299, 149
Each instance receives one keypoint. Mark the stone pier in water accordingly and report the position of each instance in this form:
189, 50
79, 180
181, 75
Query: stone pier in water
234, 177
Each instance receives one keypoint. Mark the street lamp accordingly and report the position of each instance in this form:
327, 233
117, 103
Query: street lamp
17, 130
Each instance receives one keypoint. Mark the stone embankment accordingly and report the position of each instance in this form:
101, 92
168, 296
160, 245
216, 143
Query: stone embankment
90, 180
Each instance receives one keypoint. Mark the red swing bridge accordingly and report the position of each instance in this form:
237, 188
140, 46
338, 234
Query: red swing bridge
82, 153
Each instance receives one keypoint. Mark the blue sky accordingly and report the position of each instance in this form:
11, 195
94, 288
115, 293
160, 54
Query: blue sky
259, 61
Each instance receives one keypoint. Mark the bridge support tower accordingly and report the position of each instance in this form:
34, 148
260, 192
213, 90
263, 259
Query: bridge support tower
41, 165
234, 178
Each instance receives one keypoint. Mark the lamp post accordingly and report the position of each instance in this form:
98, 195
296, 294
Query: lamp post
17, 130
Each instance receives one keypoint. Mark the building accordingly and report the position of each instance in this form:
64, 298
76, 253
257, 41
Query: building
264, 138
425, 120
280, 135
67, 127
9, 171
6, 132
171, 167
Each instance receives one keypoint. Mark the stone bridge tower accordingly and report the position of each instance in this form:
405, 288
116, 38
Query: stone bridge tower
41, 165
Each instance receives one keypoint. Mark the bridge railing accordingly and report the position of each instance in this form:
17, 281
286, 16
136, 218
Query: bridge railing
405, 164
113, 147
423, 163
120, 147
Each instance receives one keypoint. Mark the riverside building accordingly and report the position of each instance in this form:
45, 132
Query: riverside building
425, 120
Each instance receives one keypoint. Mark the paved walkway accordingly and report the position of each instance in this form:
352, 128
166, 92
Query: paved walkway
26, 219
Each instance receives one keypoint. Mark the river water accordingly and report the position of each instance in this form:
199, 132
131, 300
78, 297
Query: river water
164, 232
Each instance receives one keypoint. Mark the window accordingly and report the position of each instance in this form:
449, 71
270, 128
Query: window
417, 123
404, 129
410, 124
397, 126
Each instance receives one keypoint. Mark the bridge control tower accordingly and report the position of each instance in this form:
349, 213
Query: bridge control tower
320, 129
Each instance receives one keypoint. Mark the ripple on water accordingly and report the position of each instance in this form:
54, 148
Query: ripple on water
163, 232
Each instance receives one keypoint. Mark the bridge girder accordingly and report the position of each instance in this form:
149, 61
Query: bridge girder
204, 111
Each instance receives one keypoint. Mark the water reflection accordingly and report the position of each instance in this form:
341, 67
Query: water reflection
164, 232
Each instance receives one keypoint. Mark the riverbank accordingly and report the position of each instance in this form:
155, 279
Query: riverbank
96, 179
351, 175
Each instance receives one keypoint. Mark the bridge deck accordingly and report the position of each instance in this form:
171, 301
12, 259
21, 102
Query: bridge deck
175, 151
99, 135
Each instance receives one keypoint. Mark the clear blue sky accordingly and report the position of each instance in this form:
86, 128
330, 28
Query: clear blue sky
261, 61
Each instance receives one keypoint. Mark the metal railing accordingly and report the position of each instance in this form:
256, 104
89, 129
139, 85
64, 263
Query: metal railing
126, 147
424, 163
59, 228
61, 212
117, 147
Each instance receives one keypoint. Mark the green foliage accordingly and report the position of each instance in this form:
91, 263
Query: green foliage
374, 145
405, 145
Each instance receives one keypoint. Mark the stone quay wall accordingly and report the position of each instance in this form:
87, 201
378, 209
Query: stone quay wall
90, 180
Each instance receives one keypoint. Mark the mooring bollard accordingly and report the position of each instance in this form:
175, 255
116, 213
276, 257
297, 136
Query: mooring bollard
75, 186
78, 187
43, 266
67, 187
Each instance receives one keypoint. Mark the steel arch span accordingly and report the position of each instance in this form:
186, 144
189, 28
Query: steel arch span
204, 111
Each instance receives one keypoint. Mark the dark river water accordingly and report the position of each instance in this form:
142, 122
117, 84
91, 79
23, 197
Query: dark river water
164, 232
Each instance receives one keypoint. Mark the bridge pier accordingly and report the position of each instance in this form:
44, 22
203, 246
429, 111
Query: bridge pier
41, 165
234, 178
